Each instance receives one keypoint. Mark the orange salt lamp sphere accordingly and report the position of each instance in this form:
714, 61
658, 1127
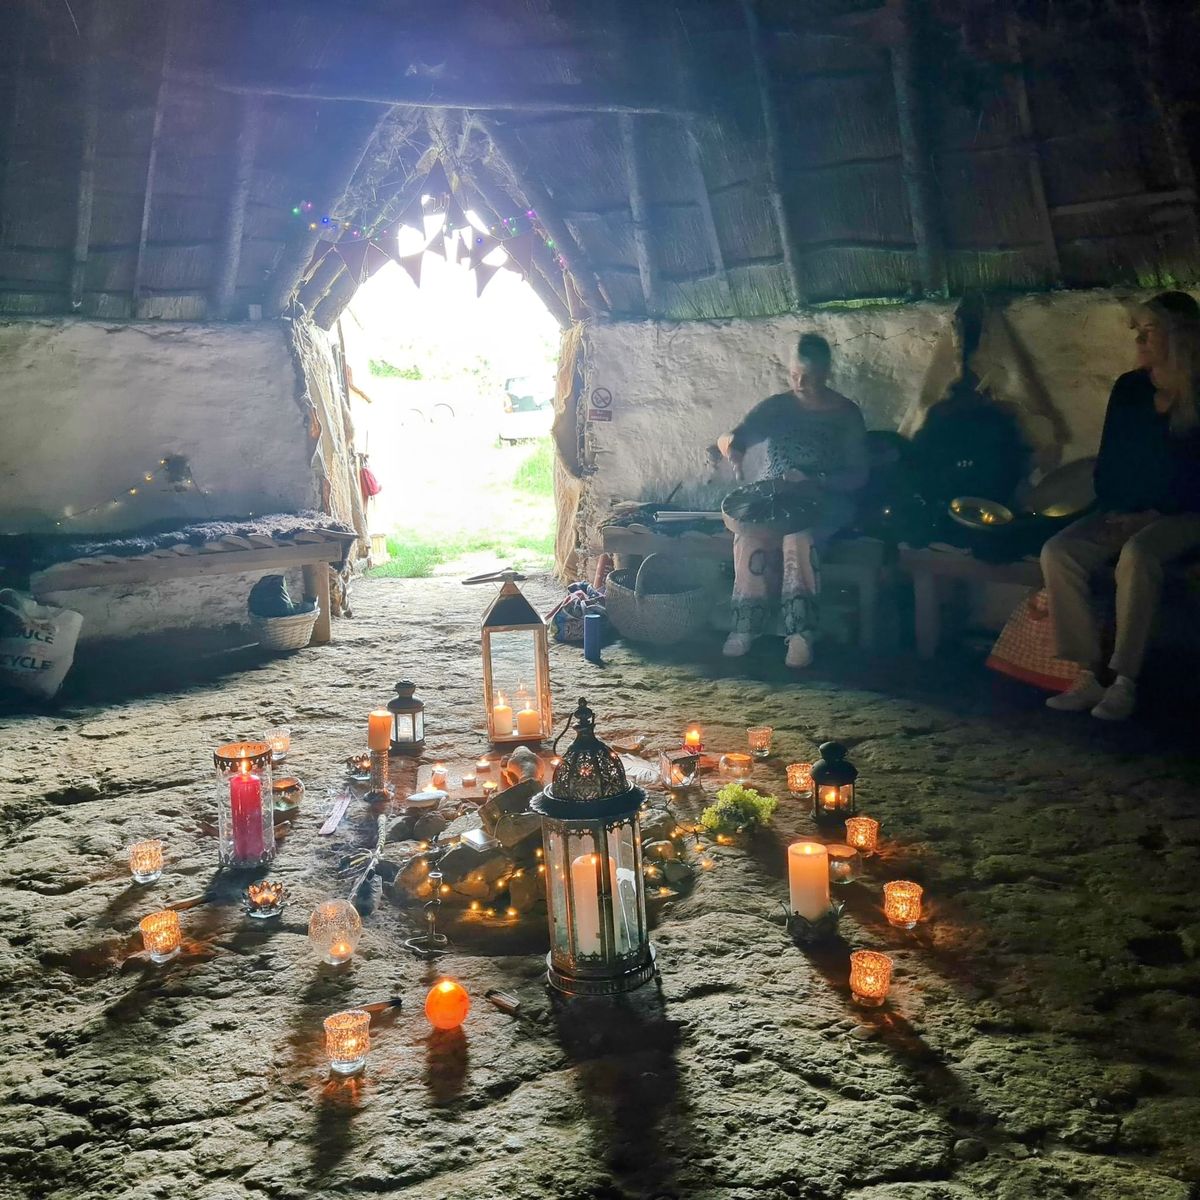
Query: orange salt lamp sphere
447, 1004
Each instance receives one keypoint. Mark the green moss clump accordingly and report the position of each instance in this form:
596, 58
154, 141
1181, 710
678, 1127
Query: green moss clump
738, 809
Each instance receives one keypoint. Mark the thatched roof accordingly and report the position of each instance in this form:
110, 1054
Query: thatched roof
694, 158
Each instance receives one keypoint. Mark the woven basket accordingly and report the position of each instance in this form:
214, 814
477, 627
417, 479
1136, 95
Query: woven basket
654, 604
282, 634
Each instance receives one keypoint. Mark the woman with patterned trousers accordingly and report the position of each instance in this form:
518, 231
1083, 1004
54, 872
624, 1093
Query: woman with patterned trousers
812, 436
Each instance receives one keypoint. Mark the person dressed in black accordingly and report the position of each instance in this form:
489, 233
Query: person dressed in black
1148, 508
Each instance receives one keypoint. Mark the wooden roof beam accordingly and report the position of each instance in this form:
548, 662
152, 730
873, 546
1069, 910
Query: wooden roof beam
915, 149
540, 200
639, 212
418, 93
229, 256
773, 159
86, 190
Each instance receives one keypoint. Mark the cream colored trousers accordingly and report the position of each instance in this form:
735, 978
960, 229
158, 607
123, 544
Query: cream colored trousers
1141, 544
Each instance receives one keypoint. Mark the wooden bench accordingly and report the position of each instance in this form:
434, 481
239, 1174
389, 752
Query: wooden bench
857, 562
312, 551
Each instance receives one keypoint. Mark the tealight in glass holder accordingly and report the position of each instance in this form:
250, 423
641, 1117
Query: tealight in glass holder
161, 935
870, 977
347, 1040
736, 766
280, 741
489, 790
146, 861
843, 863
902, 903
334, 930
286, 793
759, 737
863, 834
264, 900
799, 779
439, 777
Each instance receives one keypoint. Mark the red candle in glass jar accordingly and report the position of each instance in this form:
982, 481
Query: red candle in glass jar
245, 805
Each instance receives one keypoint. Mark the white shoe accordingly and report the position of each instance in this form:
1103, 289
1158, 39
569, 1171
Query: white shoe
1118, 701
737, 644
799, 652
1086, 692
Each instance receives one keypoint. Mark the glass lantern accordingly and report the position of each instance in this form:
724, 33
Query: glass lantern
833, 779
408, 721
599, 942
516, 666
245, 804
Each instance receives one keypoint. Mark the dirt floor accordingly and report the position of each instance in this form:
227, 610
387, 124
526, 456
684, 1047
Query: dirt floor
1041, 1039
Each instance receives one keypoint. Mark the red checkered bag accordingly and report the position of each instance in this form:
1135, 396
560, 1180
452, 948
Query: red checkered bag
1025, 648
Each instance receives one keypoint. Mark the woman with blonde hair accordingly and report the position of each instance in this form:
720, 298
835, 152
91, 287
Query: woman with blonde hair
1148, 509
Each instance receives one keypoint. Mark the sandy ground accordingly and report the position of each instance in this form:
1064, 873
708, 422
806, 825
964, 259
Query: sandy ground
1041, 1039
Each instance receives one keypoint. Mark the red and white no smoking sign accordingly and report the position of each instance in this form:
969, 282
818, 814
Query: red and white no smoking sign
601, 405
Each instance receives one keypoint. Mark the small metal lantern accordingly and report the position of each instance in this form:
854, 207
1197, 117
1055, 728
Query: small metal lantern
516, 666
408, 721
678, 768
833, 779
599, 942
245, 808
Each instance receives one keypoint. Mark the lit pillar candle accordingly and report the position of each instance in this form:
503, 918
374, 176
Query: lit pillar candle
502, 718
246, 817
529, 722
808, 879
691, 739
379, 729
585, 895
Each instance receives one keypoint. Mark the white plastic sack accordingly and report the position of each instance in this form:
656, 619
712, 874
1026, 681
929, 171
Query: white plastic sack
37, 644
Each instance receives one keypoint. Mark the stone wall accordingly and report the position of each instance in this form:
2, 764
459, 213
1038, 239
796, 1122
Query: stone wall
89, 407
675, 387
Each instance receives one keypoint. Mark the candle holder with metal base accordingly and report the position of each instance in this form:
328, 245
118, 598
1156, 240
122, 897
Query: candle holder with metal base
430, 944
379, 777
821, 929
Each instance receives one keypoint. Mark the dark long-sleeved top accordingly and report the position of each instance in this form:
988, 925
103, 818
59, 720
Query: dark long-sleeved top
1142, 465
826, 442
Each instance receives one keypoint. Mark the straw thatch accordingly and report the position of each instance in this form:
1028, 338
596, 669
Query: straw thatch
695, 158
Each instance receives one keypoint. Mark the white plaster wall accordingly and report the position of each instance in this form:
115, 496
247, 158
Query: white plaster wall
88, 407
677, 387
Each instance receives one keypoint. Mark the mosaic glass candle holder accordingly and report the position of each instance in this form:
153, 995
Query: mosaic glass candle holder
843, 863
280, 741
799, 779
902, 903
286, 793
863, 834
759, 737
146, 860
439, 777
265, 899
870, 977
347, 1040
161, 935
447, 1004
334, 930
736, 766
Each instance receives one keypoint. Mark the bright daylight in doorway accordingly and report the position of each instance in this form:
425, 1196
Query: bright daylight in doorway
452, 403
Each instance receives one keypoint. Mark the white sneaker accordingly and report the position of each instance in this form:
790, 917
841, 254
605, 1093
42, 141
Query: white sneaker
799, 652
1118, 701
737, 644
1086, 692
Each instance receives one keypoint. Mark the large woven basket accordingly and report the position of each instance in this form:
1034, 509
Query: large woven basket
282, 634
656, 603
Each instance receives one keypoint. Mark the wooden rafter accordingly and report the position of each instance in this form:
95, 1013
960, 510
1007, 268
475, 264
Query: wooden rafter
1033, 158
540, 98
358, 132
20, 44
916, 152
639, 211
160, 103
229, 256
773, 159
539, 199
86, 191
